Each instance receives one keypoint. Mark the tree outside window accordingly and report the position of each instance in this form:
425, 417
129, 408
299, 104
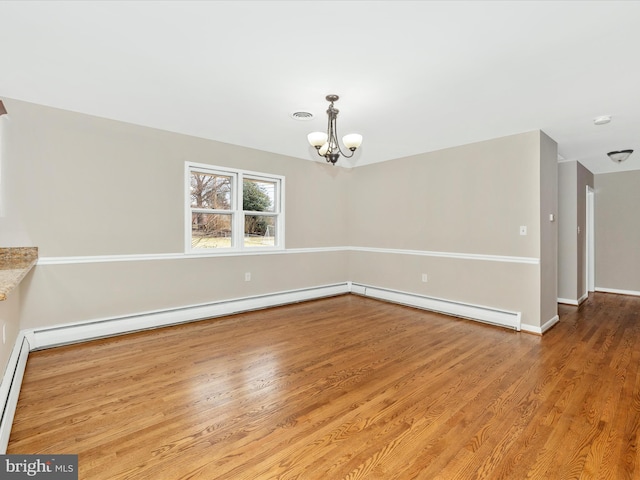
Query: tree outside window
226, 219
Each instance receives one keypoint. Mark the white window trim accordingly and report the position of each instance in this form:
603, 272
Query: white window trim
237, 212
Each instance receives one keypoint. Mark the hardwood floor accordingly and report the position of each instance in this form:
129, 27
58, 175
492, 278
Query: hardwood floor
345, 388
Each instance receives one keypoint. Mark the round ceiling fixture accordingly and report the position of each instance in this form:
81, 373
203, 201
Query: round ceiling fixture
620, 156
602, 120
302, 115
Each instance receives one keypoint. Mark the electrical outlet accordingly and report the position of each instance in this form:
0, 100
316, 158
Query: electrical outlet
523, 230
247, 277
424, 277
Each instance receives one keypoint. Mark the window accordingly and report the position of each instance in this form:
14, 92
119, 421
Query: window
233, 210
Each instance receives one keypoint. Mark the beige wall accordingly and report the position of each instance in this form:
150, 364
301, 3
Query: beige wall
501, 285
77, 185
11, 234
70, 293
548, 229
10, 318
567, 232
470, 199
81, 185
617, 229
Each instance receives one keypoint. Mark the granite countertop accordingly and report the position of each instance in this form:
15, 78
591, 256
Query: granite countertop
15, 263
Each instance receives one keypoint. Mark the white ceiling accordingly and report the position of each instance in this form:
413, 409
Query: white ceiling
413, 76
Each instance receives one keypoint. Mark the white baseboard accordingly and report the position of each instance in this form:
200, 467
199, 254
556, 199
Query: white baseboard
620, 292
480, 313
540, 330
10, 388
567, 301
550, 323
575, 303
40, 338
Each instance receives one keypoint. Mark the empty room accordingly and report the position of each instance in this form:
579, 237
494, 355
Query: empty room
319, 240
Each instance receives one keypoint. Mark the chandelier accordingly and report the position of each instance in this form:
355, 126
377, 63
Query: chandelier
326, 144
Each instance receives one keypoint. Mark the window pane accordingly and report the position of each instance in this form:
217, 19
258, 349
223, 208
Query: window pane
259, 231
258, 196
211, 230
210, 191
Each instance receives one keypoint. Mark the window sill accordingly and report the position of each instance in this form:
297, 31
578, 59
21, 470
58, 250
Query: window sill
213, 252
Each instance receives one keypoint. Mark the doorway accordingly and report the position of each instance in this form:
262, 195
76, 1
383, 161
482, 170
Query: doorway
590, 257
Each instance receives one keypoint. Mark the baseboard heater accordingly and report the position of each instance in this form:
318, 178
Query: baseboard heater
493, 316
41, 338
10, 388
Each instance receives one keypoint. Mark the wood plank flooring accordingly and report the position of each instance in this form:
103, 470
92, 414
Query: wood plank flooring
345, 388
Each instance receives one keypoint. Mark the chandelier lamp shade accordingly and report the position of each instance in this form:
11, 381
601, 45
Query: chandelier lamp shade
326, 144
620, 156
